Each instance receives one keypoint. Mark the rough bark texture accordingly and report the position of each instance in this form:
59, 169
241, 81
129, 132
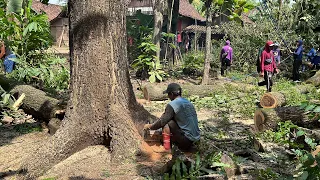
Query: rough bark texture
315, 80
208, 56
158, 9
155, 92
102, 105
37, 102
272, 100
268, 118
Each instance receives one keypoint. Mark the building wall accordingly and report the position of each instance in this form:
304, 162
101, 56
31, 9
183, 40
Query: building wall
60, 31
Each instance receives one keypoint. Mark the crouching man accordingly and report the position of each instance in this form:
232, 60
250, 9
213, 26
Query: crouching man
179, 122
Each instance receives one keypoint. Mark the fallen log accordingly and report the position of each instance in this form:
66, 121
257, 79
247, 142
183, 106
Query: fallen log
38, 103
272, 100
154, 92
315, 80
269, 118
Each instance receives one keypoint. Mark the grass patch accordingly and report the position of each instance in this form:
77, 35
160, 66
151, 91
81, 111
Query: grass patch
27, 128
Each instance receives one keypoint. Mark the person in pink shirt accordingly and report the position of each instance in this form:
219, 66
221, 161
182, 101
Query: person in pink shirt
268, 66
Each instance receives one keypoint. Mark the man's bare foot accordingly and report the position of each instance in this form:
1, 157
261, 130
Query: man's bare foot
160, 149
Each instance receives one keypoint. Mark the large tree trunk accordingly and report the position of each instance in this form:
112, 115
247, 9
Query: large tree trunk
208, 56
102, 104
158, 9
269, 118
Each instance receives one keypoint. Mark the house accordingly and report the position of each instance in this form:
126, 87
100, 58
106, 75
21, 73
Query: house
59, 23
188, 15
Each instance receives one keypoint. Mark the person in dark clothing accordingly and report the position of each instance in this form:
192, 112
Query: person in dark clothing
297, 61
268, 66
179, 120
7, 54
315, 62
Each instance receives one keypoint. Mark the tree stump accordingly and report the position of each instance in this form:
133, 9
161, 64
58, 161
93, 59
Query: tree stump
272, 100
269, 118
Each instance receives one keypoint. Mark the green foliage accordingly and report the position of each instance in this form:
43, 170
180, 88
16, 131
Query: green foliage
147, 61
286, 130
230, 100
193, 63
27, 128
26, 32
49, 71
28, 35
268, 173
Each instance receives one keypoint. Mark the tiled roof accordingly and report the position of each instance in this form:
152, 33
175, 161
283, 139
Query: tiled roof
186, 9
52, 11
198, 29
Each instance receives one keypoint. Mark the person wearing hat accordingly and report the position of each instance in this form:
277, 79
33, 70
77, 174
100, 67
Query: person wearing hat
179, 122
268, 66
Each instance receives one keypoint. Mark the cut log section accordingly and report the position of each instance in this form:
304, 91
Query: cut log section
272, 100
269, 118
38, 103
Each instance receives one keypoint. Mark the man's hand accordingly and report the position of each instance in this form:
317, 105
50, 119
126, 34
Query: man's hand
261, 74
277, 71
147, 126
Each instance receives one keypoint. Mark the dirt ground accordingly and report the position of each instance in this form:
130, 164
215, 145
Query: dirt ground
94, 162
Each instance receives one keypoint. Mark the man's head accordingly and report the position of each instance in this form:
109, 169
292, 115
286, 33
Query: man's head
276, 46
299, 43
173, 90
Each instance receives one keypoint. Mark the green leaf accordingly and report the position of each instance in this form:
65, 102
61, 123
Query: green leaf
310, 107
303, 176
300, 133
198, 161
317, 109
158, 76
152, 78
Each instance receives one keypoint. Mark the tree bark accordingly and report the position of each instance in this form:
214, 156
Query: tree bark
38, 103
158, 9
315, 80
102, 108
272, 100
269, 118
208, 57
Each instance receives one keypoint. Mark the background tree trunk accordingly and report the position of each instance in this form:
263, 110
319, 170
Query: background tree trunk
102, 104
208, 57
158, 9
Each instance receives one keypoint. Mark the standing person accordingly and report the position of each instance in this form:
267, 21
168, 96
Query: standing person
259, 60
297, 61
179, 121
226, 57
6, 52
276, 53
310, 56
268, 66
